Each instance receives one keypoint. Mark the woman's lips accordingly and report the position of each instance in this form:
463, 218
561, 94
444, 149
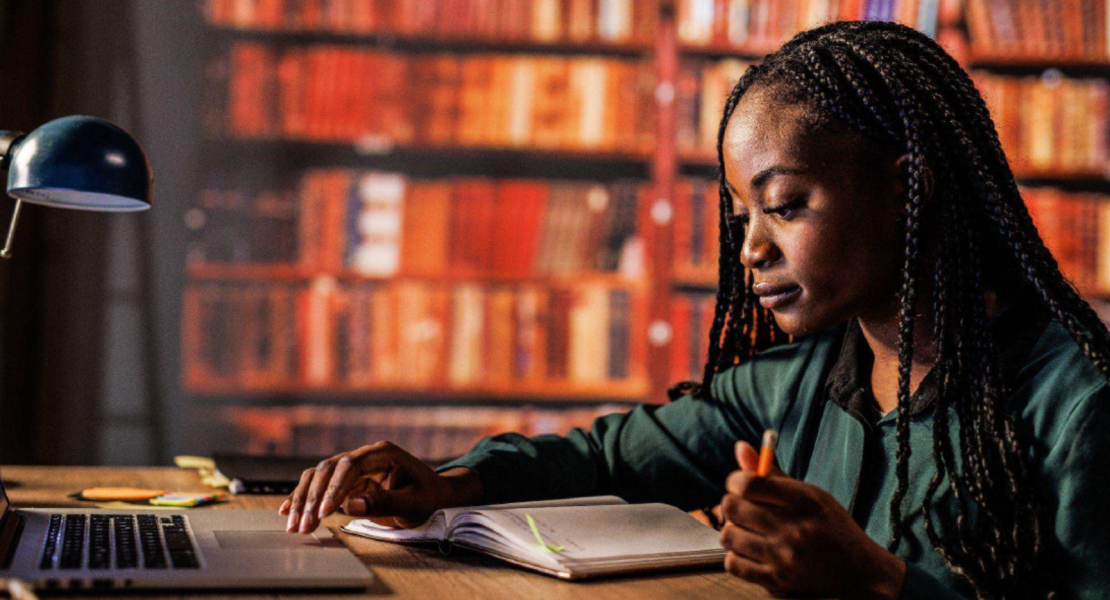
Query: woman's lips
778, 298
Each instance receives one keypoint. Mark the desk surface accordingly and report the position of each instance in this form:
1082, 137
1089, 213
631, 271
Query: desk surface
402, 571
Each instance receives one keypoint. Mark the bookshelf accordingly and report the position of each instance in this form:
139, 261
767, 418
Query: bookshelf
1044, 71
383, 172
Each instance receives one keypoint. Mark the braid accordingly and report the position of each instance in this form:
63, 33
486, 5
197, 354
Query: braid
897, 87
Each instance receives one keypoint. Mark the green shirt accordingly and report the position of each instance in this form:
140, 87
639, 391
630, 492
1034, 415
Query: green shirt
816, 394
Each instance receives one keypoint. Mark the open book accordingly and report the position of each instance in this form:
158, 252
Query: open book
581, 537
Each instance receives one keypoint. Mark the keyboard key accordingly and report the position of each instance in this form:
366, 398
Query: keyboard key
73, 542
127, 556
51, 543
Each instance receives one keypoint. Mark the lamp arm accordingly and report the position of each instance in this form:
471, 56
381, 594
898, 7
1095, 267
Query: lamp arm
7, 251
8, 141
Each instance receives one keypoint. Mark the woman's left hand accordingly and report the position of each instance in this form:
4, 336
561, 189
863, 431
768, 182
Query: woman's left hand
792, 537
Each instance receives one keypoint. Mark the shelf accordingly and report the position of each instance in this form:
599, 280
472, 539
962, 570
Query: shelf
426, 43
1036, 65
286, 272
1092, 181
695, 284
431, 160
718, 50
509, 393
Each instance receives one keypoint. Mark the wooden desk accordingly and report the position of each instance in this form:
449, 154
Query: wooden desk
402, 571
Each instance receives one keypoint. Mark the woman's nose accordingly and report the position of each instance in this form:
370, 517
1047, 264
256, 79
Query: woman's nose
759, 250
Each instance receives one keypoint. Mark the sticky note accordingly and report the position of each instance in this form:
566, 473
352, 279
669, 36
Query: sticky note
183, 500
123, 494
535, 531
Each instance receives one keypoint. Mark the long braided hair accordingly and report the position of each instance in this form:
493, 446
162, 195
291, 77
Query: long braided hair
900, 89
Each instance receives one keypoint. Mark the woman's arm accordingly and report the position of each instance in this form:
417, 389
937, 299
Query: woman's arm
678, 453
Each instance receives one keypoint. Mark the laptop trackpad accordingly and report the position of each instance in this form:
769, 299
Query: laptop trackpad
264, 540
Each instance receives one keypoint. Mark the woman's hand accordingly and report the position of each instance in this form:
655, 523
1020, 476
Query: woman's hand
380, 481
794, 538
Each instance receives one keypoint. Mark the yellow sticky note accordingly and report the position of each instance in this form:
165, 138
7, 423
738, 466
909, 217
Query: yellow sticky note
186, 461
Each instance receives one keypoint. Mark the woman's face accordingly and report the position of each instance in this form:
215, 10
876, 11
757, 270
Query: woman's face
822, 234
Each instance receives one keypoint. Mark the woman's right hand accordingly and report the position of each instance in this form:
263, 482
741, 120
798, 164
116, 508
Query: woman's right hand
380, 481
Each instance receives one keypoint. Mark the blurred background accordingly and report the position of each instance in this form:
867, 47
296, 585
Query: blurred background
430, 222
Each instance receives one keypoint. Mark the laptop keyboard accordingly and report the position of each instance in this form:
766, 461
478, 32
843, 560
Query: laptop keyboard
163, 542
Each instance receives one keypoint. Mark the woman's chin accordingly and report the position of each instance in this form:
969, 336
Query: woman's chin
794, 323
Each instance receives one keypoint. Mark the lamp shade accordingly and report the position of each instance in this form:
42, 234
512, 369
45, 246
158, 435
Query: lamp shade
83, 163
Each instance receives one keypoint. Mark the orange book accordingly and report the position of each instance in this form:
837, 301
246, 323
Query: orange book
530, 315
385, 334
499, 349
191, 315
426, 228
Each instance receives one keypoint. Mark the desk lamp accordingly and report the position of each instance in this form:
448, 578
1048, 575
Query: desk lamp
81, 163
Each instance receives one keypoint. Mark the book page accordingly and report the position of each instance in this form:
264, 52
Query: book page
436, 525
622, 533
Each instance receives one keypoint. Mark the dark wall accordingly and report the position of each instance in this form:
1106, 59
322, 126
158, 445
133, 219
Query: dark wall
125, 62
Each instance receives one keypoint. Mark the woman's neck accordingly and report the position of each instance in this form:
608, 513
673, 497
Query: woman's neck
881, 332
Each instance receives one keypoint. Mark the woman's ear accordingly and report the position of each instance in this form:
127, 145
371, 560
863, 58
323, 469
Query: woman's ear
901, 172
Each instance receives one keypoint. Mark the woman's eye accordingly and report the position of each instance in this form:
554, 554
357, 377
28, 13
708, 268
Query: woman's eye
787, 210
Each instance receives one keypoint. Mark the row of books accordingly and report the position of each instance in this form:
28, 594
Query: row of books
379, 99
1047, 29
1076, 229
691, 318
575, 21
432, 335
383, 224
1054, 124
701, 90
432, 433
763, 25
696, 240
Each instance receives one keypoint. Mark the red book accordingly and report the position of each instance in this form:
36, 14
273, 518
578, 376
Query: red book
533, 198
680, 339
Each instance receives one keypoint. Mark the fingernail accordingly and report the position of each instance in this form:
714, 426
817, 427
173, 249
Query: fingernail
306, 523
325, 509
291, 525
358, 506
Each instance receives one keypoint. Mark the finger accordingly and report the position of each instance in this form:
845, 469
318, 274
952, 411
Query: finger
750, 570
754, 517
320, 480
342, 481
297, 502
284, 509
746, 543
775, 490
746, 456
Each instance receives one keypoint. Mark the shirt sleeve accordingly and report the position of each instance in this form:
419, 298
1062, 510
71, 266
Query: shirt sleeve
1076, 467
678, 453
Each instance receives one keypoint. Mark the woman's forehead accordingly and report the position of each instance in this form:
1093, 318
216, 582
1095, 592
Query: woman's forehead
764, 133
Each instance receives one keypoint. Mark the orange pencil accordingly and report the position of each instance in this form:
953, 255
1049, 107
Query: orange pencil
767, 452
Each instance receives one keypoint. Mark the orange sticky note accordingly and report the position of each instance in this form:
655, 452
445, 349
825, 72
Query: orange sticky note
101, 494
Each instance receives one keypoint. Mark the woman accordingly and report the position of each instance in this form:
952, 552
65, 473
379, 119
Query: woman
885, 303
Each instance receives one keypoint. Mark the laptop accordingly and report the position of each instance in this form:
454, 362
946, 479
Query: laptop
102, 550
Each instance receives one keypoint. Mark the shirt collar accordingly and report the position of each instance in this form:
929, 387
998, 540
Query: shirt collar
1015, 328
